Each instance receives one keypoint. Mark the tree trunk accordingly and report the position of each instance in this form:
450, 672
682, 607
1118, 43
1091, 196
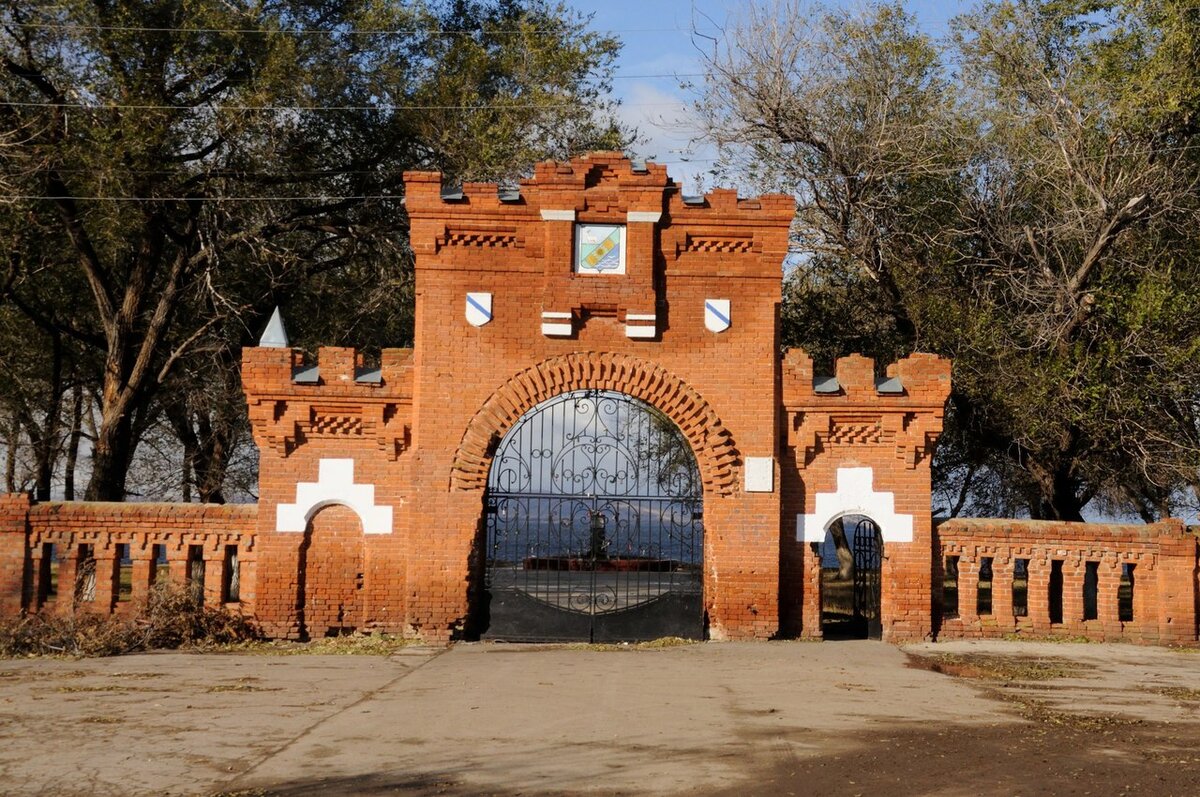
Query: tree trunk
837, 530
110, 458
73, 442
10, 454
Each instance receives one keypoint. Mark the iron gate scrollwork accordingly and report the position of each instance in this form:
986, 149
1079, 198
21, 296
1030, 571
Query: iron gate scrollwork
594, 525
868, 559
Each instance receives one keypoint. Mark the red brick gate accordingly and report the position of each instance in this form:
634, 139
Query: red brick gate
597, 274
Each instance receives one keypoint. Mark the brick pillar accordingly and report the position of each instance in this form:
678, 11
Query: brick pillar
214, 574
811, 621
14, 553
177, 564
1107, 603
143, 569
1039, 594
278, 556
968, 591
68, 560
1002, 593
1177, 587
108, 574
1073, 593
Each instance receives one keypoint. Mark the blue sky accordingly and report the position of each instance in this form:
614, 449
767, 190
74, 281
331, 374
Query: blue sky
658, 46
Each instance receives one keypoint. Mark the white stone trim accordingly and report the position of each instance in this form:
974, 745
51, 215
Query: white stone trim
558, 330
549, 314
651, 216
855, 495
760, 474
641, 317
640, 331
558, 215
334, 485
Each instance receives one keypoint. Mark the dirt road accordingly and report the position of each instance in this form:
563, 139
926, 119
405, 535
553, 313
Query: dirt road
716, 718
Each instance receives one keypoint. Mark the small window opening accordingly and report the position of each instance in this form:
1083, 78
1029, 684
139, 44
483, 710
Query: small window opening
983, 594
159, 569
1020, 588
48, 577
85, 574
1125, 593
195, 573
1056, 591
1091, 590
950, 588
231, 582
124, 573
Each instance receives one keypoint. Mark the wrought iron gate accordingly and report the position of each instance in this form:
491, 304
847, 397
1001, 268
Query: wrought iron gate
868, 558
594, 525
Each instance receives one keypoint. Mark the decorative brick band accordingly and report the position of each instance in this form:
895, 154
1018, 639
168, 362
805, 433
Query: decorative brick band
711, 442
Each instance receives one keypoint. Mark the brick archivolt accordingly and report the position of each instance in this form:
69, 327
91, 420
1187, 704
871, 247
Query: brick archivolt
711, 442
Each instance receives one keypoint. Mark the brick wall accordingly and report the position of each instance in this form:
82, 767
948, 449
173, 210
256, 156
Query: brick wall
1069, 598
76, 547
861, 446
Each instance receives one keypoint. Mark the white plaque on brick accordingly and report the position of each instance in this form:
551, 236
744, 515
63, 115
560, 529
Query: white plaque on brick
760, 474
716, 315
479, 309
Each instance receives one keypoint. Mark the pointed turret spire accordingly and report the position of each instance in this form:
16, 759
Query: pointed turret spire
275, 335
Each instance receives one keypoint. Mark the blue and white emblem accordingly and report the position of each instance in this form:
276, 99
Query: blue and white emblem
479, 309
716, 315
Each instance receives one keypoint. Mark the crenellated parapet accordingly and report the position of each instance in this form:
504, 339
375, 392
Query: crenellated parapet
853, 408
543, 226
292, 401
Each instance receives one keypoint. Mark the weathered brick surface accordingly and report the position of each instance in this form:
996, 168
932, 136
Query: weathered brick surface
419, 435
27, 529
1164, 556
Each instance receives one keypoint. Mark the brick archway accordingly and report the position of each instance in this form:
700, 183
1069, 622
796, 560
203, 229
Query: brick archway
711, 442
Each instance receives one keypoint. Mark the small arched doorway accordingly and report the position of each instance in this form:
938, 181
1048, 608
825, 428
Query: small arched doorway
594, 527
851, 558
331, 573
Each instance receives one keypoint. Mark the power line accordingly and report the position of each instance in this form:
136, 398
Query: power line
345, 31
301, 108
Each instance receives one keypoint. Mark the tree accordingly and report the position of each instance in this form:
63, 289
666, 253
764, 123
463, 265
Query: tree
1026, 213
194, 163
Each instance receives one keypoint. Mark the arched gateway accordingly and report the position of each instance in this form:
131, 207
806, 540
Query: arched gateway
594, 435
594, 524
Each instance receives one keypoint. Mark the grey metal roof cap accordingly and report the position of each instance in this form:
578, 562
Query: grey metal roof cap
275, 335
508, 194
891, 386
638, 166
370, 376
826, 384
307, 376
453, 194
693, 200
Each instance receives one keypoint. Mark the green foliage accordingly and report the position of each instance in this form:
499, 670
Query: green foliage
176, 168
1020, 197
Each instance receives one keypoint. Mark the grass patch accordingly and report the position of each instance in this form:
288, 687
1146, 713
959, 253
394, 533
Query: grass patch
1002, 668
651, 644
348, 645
1039, 712
1181, 693
240, 688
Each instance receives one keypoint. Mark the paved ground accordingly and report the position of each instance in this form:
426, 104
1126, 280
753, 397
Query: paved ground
718, 718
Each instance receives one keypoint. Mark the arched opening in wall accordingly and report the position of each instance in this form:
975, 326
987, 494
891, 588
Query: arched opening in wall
331, 574
594, 525
851, 581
